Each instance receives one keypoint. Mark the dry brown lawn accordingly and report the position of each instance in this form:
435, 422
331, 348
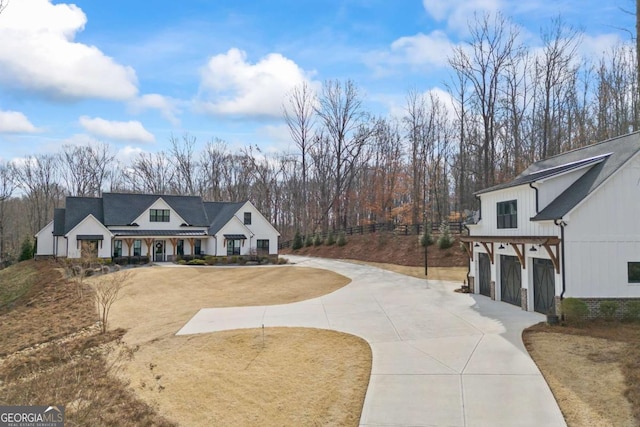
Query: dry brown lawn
592, 371
453, 274
294, 376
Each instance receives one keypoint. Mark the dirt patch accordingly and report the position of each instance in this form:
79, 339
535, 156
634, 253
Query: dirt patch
292, 376
591, 377
390, 248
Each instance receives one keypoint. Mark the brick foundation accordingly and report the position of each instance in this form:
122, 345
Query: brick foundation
492, 288
594, 305
523, 299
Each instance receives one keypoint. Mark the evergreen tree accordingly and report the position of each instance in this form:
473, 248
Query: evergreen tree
297, 241
445, 241
26, 253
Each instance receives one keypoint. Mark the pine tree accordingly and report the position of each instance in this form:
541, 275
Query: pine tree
445, 241
297, 241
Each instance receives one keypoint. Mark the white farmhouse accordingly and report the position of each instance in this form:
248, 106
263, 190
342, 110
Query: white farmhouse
568, 226
160, 227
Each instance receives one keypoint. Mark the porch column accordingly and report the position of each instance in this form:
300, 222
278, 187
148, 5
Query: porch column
129, 243
149, 243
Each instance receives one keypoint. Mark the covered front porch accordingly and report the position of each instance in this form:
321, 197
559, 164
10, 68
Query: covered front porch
158, 245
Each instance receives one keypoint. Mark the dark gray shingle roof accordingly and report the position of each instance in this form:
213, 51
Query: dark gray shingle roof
78, 208
605, 158
123, 209
220, 213
58, 222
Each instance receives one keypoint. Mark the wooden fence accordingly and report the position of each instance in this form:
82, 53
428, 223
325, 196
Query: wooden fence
399, 229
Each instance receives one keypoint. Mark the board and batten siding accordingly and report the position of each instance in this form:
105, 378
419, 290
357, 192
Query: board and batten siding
526, 197
91, 226
45, 241
597, 256
144, 220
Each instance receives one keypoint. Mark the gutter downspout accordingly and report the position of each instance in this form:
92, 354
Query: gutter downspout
469, 258
562, 224
536, 190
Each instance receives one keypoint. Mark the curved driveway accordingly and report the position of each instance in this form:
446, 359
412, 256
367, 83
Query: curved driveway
440, 358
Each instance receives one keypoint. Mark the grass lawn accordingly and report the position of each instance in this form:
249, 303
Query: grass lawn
294, 376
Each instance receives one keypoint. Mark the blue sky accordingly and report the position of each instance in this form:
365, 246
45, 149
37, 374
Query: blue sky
133, 73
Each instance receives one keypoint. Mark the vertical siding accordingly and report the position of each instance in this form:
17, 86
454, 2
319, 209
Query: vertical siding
602, 235
45, 240
526, 198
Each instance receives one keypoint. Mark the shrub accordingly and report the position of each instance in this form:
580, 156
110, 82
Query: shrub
445, 241
608, 309
426, 239
632, 312
242, 260
342, 239
181, 262
197, 261
26, 253
308, 241
281, 261
574, 310
331, 239
317, 240
210, 260
297, 241
233, 260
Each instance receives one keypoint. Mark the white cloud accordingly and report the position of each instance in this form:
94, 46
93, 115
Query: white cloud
153, 101
15, 122
457, 13
123, 131
126, 155
38, 53
417, 51
231, 85
598, 45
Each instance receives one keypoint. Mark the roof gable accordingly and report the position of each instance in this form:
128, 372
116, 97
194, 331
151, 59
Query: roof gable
123, 209
220, 213
77, 209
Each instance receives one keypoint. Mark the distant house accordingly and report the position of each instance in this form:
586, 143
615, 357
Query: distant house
568, 226
161, 227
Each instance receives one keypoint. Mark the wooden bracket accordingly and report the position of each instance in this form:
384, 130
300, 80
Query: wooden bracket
489, 251
553, 256
519, 248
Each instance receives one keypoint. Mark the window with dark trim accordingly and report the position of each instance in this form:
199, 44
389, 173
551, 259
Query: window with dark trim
197, 247
137, 248
117, 248
633, 272
159, 215
180, 247
507, 214
247, 218
262, 246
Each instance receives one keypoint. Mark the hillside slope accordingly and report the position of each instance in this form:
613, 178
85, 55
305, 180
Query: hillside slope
386, 247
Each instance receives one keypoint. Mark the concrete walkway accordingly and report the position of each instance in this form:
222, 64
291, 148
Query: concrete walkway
439, 358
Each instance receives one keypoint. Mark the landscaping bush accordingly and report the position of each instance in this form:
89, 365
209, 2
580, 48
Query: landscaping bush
197, 261
426, 239
210, 260
233, 260
342, 239
317, 240
445, 241
632, 311
242, 260
281, 261
608, 309
181, 262
574, 310
308, 241
26, 252
331, 239
297, 241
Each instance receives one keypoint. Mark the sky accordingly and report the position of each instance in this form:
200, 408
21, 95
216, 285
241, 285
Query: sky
133, 74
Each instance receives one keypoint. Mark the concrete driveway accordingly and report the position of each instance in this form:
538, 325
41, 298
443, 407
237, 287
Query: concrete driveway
439, 358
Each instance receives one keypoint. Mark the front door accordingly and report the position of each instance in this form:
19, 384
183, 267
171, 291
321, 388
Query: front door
484, 267
159, 251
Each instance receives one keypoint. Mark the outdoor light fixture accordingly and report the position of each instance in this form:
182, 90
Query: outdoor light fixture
533, 249
501, 246
477, 245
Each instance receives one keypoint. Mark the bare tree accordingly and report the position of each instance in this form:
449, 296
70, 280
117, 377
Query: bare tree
299, 116
347, 125
490, 51
85, 169
107, 288
213, 161
7, 187
150, 173
185, 165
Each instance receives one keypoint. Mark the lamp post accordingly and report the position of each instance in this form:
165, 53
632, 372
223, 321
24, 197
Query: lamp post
426, 244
